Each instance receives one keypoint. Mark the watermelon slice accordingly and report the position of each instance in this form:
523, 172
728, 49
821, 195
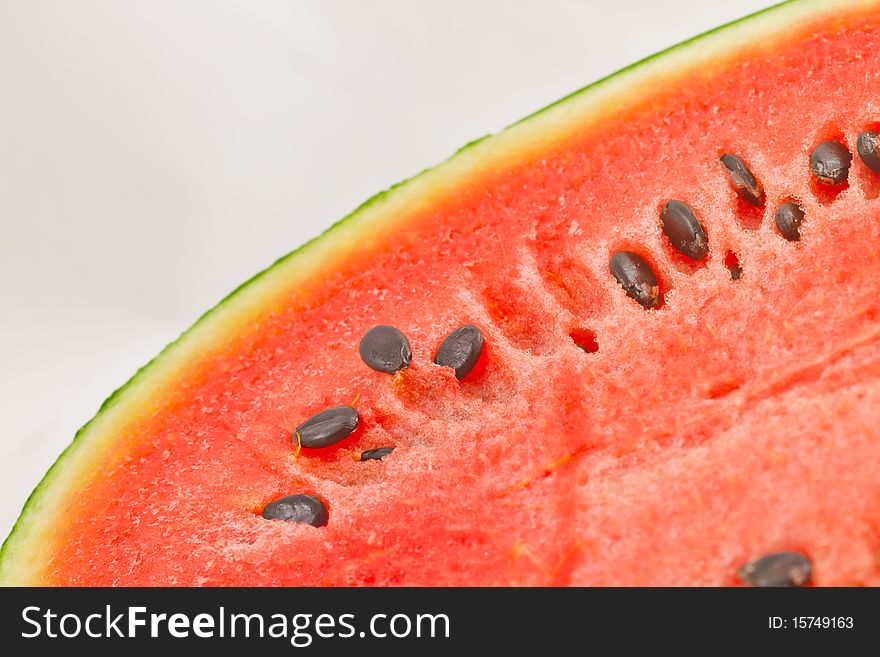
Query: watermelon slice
658, 302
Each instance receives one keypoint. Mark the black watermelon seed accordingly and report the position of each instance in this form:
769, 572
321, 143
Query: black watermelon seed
327, 427
829, 162
777, 569
683, 230
376, 454
461, 350
636, 277
385, 349
788, 220
868, 146
297, 508
743, 180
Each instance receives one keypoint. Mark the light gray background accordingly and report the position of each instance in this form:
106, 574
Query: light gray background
155, 154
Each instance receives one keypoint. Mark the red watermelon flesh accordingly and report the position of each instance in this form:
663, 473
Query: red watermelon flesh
596, 442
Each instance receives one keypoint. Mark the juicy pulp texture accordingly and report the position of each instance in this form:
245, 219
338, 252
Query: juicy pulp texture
736, 419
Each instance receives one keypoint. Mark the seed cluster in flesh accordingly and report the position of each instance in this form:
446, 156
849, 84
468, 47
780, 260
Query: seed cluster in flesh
829, 162
384, 349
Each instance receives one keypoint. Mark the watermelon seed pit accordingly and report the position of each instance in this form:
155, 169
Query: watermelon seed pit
585, 339
731, 261
385, 349
685, 232
789, 217
461, 350
868, 146
376, 454
301, 507
743, 180
830, 161
327, 427
637, 277
778, 569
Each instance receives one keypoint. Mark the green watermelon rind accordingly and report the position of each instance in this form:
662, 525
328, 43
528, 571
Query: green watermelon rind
8, 549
